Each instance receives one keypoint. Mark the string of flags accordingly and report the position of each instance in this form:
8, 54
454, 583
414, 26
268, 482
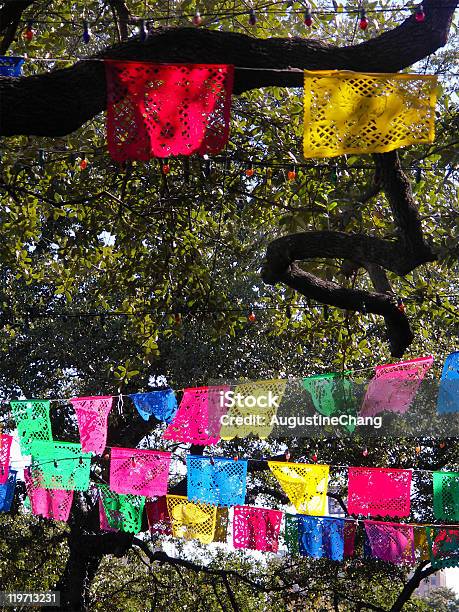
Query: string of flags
210, 413
159, 110
216, 486
163, 110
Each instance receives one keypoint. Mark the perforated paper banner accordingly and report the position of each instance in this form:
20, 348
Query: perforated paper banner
139, 471
421, 545
379, 491
123, 512
5, 449
221, 525
446, 496
321, 538
103, 522
158, 516
391, 542
32, 420
159, 110
92, 414
198, 418
291, 534
443, 546
60, 465
11, 66
350, 112
255, 405
256, 528
192, 520
394, 386
448, 390
332, 394
162, 405
216, 480
7, 491
350, 529
305, 485
53, 504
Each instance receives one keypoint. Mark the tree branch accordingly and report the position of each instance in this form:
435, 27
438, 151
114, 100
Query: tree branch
419, 574
162, 557
401, 256
57, 103
122, 15
10, 15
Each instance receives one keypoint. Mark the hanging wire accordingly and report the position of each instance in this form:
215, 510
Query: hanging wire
261, 10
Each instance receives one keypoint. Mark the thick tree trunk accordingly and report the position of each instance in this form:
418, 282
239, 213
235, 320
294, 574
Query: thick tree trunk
75, 582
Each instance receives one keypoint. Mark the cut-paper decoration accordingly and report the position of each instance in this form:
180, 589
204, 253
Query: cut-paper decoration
5, 449
198, 418
162, 405
216, 480
291, 534
255, 406
123, 512
379, 491
103, 522
321, 537
32, 420
350, 529
11, 66
421, 545
350, 112
92, 414
332, 394
443, 546
159, 110
139, 472
305, 485
446, 496
391, 542
7, 491
448, 390
394, 386
158, 516
256, 528
221, 525
60, 465
192, 520
50, 503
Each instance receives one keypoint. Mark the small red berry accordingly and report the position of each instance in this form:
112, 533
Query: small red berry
166, 168
83, 164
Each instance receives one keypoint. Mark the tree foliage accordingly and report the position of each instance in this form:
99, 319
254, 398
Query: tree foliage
114, 275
